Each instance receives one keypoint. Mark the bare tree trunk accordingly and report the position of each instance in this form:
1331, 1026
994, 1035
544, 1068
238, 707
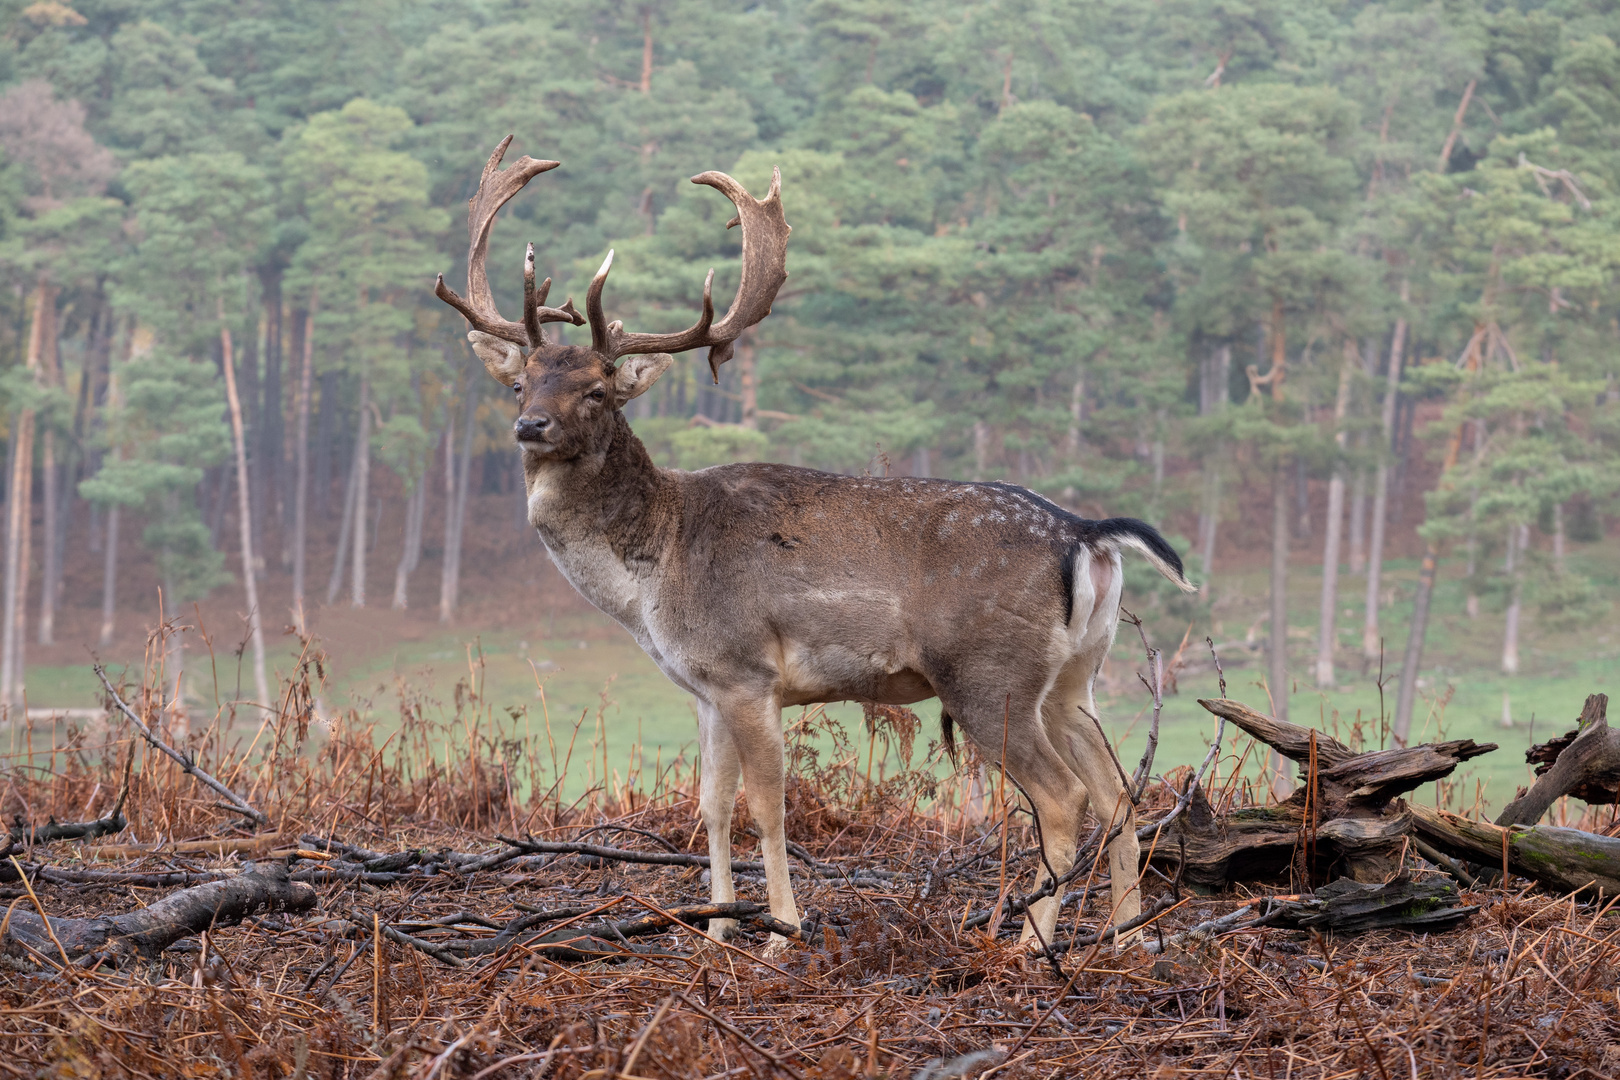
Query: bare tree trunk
1282, 785
1327, 632
19, 515
748, 379
1077, 406
1358, 519
457, 479
1517, 541
1560, 538
300, 530
411, 556
273, 485
1371, 637
48, 489
1407, 696
362, 476
340, 558
109, 578
1213, 398
981, 449
174, 666
244, 505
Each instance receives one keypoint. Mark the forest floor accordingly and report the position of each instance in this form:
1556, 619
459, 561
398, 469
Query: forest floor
414, 942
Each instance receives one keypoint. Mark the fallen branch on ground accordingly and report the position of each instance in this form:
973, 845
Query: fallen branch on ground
148, 931
239, 804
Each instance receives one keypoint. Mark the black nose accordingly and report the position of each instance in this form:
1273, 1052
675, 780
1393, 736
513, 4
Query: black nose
530, 428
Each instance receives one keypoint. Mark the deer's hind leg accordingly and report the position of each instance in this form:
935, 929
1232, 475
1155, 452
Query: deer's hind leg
1014, 717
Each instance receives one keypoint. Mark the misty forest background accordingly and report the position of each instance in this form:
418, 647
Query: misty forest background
1326, 290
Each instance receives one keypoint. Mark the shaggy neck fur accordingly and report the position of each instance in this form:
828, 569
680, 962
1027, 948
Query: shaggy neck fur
612, 493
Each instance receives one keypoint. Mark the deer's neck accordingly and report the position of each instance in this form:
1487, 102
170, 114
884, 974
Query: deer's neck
605, 516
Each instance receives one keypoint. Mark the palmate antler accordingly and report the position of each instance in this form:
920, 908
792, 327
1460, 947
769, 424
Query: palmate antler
764, 268
479, 308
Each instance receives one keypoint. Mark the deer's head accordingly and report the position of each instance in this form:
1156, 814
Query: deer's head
568, 394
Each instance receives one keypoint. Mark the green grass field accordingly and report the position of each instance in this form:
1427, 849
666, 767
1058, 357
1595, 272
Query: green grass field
585, 665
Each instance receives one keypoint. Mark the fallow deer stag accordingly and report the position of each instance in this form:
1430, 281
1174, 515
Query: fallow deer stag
758, 586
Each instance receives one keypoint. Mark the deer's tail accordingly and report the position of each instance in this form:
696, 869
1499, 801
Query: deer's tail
1140, 536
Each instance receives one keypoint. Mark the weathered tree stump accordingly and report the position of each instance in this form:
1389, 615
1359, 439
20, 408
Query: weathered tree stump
1344, 820
1584, 763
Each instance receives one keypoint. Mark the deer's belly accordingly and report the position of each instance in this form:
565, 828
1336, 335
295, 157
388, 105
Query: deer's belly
838, 672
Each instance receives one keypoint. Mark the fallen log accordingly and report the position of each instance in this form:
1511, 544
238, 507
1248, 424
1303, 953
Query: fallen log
1565, 860
1584, 763
1344, 820
1352, 907
148, 931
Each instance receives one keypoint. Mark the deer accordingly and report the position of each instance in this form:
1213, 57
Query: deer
758, 586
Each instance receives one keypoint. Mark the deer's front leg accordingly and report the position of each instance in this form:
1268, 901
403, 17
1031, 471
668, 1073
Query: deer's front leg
716, 795
756, 728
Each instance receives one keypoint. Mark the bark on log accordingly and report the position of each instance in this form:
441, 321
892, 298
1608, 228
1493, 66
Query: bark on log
1584, 763
1565, 860
1349, 907
148, 931
1344, 821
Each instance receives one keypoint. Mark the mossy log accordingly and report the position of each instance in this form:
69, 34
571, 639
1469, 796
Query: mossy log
1564, 860
1344, 820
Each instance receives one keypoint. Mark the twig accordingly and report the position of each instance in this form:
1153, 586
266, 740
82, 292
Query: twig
184, 760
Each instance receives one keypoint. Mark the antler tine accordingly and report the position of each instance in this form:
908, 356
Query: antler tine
764, 268
495, 189
532, 300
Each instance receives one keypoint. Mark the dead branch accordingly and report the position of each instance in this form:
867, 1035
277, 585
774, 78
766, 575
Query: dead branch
184, 760
1584, 763
109, 824
148, 931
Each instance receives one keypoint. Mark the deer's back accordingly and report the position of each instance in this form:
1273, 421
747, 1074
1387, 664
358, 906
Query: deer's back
861, 586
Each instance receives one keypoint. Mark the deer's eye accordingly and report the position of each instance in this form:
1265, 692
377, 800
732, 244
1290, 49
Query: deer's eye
517, 388
598, 394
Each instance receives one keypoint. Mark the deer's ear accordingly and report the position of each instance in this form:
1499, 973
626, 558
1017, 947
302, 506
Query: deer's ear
637, 374
502, 359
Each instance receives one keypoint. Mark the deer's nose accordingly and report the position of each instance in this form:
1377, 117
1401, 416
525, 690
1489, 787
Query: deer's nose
531, 428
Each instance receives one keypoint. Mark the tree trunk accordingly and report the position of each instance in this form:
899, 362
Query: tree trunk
1518, 539
50, 511
174, 662
19, 515
248, 393
1358, 519
340, 557
748, 380
300, 529
109, 578
362, 477
245, 513
1425, 593
457, 480
412, 553
271, 424
1372, 641
1559, 538
1278, 644
327, 420
1327, 633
